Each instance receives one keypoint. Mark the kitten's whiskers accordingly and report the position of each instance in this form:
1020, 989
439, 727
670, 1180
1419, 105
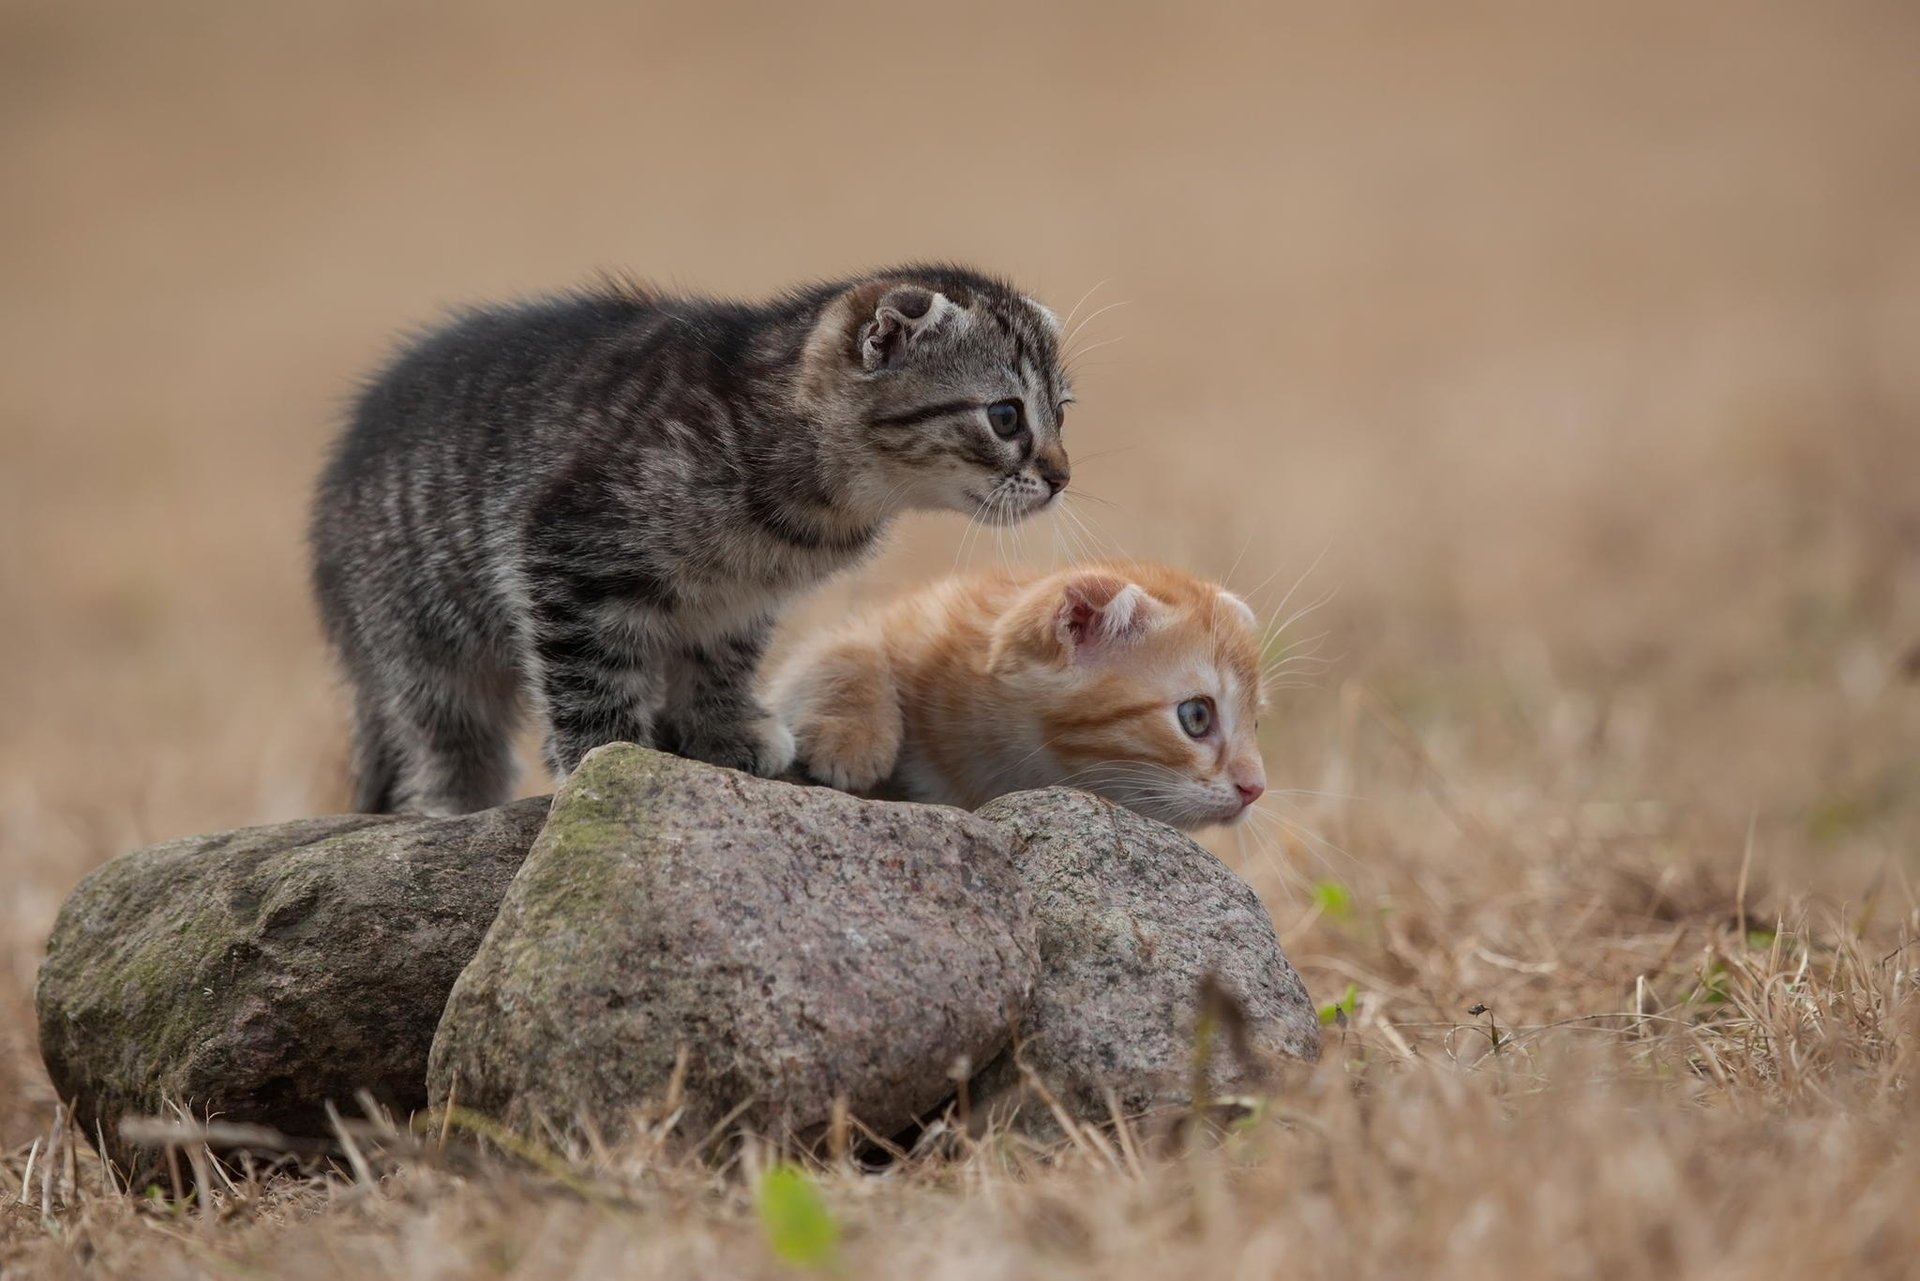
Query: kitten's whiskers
1067, 324
1066, 344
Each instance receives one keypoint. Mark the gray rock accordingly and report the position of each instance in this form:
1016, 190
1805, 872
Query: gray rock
1131, 916
800, 944
256, 975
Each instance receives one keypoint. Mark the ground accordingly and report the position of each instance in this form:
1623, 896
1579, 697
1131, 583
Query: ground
1563, 358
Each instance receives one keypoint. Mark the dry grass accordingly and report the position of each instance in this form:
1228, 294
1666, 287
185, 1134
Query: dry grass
1583, 343
1729, 1105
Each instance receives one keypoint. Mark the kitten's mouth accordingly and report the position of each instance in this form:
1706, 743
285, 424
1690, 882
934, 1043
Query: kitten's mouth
1205, 814
1004, 505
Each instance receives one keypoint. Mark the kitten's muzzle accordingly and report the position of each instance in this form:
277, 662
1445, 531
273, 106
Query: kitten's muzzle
1051, 465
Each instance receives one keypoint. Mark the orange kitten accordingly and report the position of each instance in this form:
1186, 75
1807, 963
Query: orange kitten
1135, 682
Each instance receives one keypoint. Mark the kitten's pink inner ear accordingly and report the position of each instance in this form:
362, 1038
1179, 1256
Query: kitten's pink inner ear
1081, 621
1097, 613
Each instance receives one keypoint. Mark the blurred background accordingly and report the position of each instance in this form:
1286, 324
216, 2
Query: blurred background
1574, 350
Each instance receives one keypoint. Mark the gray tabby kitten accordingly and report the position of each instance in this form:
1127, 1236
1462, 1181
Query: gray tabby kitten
596, 503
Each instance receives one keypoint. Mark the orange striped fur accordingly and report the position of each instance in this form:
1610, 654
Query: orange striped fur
1002, 681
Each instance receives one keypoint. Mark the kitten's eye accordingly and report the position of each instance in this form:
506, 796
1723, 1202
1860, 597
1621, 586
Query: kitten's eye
1196, 716
1007, 418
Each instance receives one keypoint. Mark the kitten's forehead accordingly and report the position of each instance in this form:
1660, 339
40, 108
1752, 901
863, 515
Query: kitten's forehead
1189, 653
1025, 334
1223, 625
1013, 338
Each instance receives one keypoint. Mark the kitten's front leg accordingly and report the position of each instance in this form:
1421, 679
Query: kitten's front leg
844, 710
711, 713
598, 689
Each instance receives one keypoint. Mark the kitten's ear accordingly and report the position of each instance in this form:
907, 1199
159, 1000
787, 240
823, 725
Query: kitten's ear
1045, 313
1239, 607
1098, 611
903, 316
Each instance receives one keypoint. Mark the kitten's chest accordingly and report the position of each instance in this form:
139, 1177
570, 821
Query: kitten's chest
737, 585
752, 563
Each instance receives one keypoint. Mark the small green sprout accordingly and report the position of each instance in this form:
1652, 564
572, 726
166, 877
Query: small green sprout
1341, 1010
1333, 900
800, 1229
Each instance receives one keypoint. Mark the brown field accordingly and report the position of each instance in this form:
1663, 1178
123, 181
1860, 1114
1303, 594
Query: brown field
1575, 351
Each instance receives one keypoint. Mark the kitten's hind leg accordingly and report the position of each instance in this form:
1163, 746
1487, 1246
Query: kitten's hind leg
376, 756
710, 712
452, 735
844, 710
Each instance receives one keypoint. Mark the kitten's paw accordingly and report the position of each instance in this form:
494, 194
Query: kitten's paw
848, 755
763, 747
776, 748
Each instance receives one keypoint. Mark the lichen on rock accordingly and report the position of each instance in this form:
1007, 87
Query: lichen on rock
800, 945
1131, 918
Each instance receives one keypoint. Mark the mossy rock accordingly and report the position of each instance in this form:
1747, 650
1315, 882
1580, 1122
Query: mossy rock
257, 975
797, 944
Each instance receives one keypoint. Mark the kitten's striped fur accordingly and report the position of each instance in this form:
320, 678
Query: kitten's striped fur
1002, 681
596, 503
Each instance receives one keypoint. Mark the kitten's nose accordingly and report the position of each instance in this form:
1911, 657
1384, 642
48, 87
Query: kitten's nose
1052, 466
1249, 792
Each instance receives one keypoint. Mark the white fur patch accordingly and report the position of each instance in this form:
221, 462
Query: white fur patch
944, 311
1125, 612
